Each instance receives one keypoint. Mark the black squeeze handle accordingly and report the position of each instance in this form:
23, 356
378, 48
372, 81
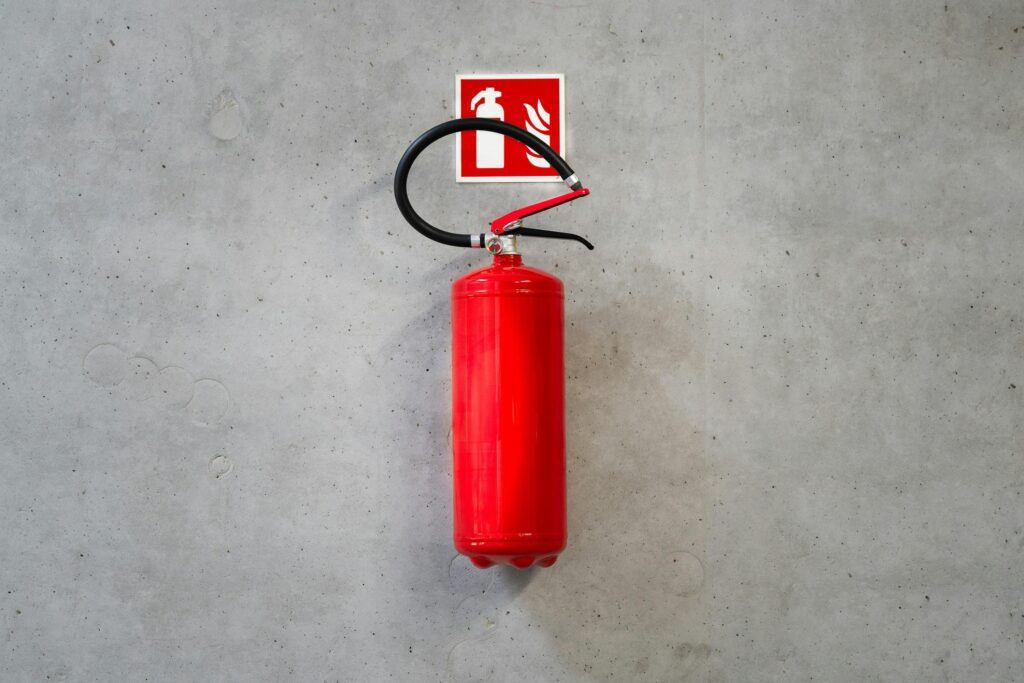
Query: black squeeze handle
455, 126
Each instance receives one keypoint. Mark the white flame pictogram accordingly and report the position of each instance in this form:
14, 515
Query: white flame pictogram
538, 122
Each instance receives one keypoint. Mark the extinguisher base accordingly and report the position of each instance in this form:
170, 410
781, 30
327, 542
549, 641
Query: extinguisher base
519, 561
519, 553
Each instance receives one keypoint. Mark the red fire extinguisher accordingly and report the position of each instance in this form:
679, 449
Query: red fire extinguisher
508, 377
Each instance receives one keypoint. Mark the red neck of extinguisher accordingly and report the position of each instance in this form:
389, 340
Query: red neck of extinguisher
508, 260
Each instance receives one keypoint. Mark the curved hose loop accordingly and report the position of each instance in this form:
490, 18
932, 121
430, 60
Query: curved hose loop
456, 126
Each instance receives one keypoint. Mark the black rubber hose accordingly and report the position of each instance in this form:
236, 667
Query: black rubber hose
455, 126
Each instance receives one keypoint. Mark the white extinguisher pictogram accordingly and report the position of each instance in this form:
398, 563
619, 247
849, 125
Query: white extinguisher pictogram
538, 122
490, 147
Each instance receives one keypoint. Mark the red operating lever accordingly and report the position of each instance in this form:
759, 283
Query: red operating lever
511, 220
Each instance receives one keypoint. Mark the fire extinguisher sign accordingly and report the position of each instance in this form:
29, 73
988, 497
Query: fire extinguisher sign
535, 102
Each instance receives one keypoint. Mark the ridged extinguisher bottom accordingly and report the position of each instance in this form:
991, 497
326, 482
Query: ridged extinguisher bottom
521, 553
519, 562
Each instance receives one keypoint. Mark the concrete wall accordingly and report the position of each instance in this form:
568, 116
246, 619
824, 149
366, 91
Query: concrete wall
795, 361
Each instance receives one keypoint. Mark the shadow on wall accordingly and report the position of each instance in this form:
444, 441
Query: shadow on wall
635, 569
626, 598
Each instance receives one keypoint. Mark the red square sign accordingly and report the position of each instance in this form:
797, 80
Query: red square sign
533, 102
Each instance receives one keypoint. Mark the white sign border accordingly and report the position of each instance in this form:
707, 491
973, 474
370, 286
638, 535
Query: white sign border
459, 178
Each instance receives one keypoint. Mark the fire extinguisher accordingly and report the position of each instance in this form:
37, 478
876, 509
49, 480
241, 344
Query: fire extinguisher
508, 377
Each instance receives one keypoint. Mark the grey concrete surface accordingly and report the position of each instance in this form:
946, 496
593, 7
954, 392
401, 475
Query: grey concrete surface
795, 361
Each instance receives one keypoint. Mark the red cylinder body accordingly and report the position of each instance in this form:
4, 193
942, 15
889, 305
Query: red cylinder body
508, 424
